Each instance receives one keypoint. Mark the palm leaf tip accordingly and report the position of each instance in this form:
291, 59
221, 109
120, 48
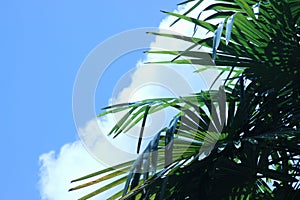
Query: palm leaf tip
217, 39
229, 25
143, 127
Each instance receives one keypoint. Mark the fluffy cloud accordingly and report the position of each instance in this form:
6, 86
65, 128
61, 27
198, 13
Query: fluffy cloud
158, 80
57, 171
147, 81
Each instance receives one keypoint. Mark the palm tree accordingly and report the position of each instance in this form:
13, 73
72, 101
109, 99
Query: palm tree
239, 142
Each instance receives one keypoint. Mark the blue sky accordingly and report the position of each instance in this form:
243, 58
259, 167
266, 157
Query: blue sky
43, 44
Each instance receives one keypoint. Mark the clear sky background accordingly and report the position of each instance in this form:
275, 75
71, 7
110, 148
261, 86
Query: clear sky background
43, 44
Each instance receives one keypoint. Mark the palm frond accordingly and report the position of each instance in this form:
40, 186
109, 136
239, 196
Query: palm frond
234, 142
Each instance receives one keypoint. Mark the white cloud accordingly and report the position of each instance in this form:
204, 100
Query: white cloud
157, 80
57, 170
147, 81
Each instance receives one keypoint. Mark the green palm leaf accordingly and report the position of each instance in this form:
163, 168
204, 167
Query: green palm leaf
226, 144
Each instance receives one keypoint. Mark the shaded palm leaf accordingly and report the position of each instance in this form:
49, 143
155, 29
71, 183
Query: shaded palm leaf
233, 148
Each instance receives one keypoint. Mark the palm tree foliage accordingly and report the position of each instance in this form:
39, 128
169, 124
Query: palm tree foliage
239, 142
